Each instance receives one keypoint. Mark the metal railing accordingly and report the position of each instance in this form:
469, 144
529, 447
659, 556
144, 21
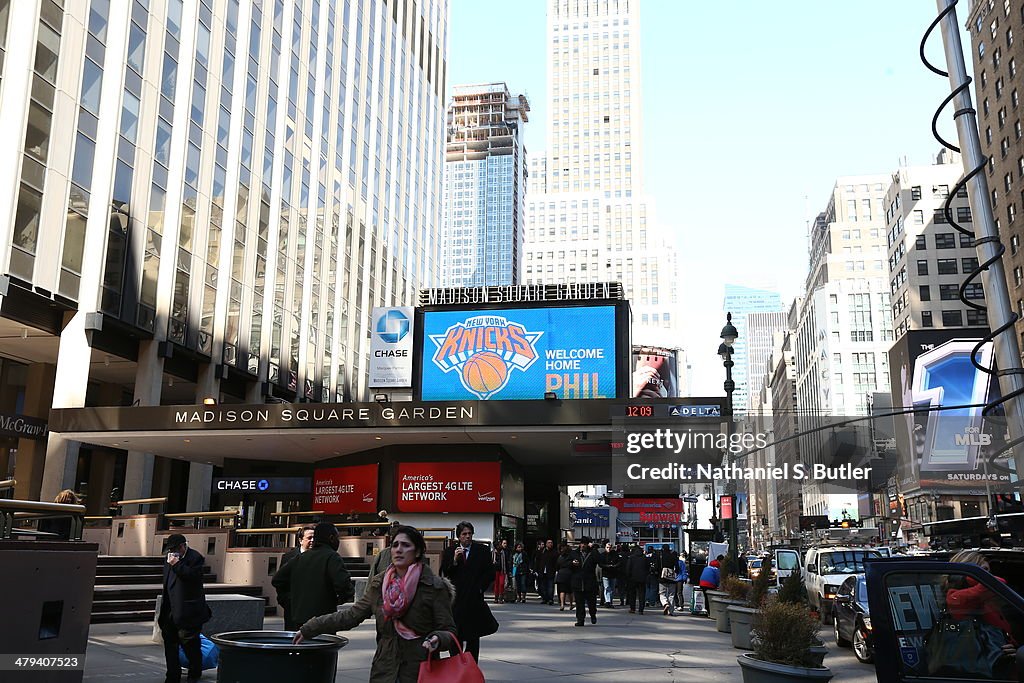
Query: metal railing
148, 502
308, 513
12, 511
8, 484
198, 517
258, 534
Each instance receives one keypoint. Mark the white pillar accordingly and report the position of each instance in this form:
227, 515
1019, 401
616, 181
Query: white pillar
138, 478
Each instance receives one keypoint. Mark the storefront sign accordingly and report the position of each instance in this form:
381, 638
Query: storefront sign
449, 487
647, 504
342, 490
590, 516
726, 507
266, 485
22, 427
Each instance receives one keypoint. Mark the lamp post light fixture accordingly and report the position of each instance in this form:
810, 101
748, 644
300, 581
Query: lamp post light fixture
725, 350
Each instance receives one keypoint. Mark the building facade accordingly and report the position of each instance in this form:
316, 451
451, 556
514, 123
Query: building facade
588, 219
206, 200
928, 259
844, 327
485, 187
741, 302
762, 329
997, 29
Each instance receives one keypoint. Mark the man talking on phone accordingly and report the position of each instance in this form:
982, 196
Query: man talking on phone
469, 567
183, 609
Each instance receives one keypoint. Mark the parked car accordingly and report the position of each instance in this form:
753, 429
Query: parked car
917, 636
827, 568
853, 618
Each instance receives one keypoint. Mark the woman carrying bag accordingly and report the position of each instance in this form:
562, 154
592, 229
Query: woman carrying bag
413, 609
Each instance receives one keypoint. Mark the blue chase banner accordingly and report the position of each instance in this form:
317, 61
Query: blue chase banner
589, 516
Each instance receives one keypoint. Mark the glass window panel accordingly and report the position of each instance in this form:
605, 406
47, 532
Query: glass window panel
99, 10
26, 221
46, 53
192, 164
203, 45
130, 117
37, 134
188, 219
74, 242
136, 47
113, 273
162, 152
81, 171
92, 78
170, 75
155, 220
174, 8
150, 269
122, 184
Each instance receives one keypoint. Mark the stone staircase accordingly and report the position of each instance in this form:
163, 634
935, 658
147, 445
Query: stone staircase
127, 588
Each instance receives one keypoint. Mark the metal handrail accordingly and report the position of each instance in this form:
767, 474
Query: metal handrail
272, 530
8, 484
203, 515
310, 513
143, 501
10, 510
361, 524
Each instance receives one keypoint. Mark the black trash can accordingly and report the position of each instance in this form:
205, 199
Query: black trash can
253, 656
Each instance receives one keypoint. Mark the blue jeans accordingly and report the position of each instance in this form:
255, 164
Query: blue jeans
521, 577
652, 591
609, 589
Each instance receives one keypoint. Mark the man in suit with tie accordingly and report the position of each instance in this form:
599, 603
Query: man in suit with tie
469, 566
183, 609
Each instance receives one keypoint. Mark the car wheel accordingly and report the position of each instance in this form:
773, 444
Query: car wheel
840, 641
861, 646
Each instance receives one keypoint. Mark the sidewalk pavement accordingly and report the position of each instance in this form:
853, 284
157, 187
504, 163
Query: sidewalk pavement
535, 643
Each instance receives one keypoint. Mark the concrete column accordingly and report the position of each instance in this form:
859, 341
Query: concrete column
200, 475
138, 480
101, 481
9, 405
33, 455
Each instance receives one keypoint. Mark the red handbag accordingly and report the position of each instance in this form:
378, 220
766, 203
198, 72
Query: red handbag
461, 668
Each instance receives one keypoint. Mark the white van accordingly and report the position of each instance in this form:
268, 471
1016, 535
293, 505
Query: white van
826, 569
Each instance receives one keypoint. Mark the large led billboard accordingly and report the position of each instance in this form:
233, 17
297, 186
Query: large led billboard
519, 353
942, 438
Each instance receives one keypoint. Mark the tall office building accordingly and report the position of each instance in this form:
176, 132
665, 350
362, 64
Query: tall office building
485, 187
206, 199
928, 259
997, 56
741, 302
762, 329
588, 219
844, 326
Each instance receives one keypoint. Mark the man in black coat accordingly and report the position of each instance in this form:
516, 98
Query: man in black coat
638, 568
305, 535
315, 582
584, 581
468, 565
183, 608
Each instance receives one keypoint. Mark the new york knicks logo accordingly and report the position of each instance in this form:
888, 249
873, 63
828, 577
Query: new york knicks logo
484, 350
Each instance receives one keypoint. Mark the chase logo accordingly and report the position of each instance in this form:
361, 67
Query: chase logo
484, 350
393, 326
263, 485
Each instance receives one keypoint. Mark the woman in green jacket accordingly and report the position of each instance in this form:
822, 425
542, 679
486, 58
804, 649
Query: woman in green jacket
412, 606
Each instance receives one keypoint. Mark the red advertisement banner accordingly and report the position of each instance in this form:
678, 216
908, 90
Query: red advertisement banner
342, 490
726, 505
449, 487
647, 504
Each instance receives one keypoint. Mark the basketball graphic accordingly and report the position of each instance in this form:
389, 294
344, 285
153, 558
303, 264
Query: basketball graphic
484, 373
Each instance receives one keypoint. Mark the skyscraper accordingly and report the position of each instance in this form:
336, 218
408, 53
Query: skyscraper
588, 219
485, 187
742, 301
762, 328
207, 200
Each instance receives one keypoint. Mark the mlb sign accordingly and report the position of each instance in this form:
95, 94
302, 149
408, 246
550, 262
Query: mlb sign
391, 346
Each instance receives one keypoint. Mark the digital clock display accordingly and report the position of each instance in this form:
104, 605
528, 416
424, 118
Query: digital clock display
639, 411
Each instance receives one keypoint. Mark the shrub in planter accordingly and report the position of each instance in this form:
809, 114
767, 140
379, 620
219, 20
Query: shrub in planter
792, 590
742, 618
737, 592
785, 634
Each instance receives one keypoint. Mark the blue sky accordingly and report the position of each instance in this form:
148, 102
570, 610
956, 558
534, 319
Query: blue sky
751, 111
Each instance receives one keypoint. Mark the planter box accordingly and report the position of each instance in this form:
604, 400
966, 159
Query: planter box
712, 602
756, 671
741, 621
722, 619
819, 652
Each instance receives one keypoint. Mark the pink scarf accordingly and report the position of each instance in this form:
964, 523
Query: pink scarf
398, 594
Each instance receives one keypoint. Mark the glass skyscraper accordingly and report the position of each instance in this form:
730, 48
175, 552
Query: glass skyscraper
741, 301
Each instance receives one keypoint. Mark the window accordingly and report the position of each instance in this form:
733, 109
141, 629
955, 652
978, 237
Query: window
921, 242
947, 266
922, 267
915, 192
949, 292
963, 214
939, 216
918, 217
1018, 276
926, 319
945, 240
1011, 212
1014, 244
974, 291
966, 241
92, 77
940, 191
37, 133
925, 293
969, 264
952, 319
977, 318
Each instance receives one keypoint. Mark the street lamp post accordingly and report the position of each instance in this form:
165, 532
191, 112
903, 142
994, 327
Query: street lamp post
725, 350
